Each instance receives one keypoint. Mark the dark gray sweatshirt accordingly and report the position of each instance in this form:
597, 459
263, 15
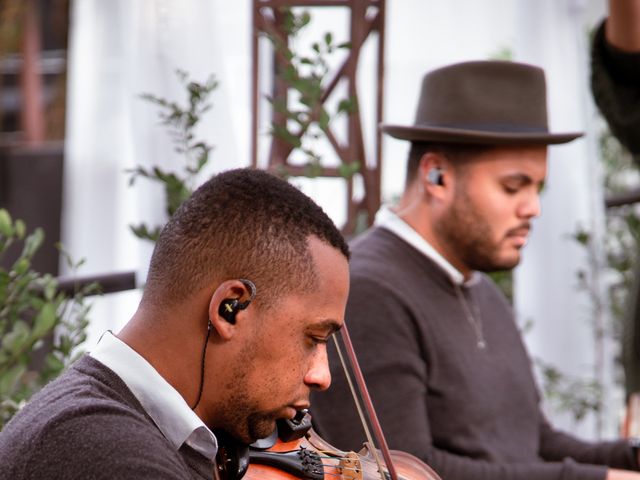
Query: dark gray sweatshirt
87, 424
470, 413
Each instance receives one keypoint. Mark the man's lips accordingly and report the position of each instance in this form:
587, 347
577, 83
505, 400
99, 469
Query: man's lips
293, 410
520, 231
519, 234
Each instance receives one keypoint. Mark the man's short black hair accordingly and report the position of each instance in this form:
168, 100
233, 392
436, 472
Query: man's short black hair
241, 223
456, 153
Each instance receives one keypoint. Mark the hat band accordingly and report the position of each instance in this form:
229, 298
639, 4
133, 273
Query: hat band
487, 127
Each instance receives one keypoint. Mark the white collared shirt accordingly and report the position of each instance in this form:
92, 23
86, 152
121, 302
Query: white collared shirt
388, 219
171, 414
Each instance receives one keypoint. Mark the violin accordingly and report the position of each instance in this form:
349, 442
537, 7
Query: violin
296, 451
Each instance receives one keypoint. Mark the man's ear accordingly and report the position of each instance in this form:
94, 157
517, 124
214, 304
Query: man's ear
227, 305
433, 174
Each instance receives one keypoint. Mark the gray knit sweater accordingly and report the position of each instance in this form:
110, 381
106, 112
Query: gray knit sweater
470, 413
88, 425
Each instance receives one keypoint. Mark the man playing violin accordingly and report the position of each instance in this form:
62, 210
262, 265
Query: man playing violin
247, 282
442, 356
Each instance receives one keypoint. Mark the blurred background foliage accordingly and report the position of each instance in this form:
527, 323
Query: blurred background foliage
41, 327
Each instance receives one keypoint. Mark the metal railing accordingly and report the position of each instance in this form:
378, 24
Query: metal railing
108, 283
627, 198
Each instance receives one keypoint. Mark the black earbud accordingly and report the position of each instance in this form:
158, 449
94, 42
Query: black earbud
434, 176
231, 306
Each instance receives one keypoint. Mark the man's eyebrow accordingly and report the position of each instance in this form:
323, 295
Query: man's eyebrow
331, 326
523, 178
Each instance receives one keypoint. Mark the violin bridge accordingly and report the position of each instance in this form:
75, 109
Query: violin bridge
350, 467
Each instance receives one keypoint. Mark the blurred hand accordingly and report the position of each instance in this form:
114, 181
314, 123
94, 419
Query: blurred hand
623, 25
622, 475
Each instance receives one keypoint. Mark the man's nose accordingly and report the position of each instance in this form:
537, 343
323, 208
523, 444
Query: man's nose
530, 207
318, 376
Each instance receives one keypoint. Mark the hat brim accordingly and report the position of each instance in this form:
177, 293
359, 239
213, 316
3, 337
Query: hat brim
456, 135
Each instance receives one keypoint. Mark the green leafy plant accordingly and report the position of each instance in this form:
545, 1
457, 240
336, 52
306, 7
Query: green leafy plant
304, 117
622, 244
41, 327
622, 237
621, 241
569, 393
181, 121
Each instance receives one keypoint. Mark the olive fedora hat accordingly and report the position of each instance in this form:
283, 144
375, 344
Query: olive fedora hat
482, 102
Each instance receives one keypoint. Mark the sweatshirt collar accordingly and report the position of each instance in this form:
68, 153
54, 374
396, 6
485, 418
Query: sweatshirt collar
389, 220
166, 407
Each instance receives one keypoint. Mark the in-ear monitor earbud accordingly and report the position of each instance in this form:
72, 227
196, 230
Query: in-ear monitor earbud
231, 306
434, 176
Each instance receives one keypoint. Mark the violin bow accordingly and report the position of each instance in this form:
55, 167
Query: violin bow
370, 412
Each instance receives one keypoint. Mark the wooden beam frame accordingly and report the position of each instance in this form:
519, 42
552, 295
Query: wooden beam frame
366, 19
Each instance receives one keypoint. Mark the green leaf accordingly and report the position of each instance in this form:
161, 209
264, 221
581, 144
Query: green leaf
6, 228
583, 237
33, 243
21, 266
16, 339
142, 231
9, 379
50, 289
65, 345
323, 120
304, 19
348, 170
176, 193
45, 321
347, 106
284, 134
21, 229
313, 168
54, 363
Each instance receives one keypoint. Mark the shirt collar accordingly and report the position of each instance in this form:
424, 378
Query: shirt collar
177, 422
388, 219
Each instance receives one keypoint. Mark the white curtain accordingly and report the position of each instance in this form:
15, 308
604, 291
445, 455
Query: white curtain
118, 50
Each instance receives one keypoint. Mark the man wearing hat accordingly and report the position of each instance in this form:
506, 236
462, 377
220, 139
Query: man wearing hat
442, 356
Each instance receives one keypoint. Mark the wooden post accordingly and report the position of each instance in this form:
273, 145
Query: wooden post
32, 120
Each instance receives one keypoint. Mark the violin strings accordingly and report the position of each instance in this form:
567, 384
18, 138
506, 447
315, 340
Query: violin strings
339, 467
330, 454
350, 477
342, 469
339, 475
